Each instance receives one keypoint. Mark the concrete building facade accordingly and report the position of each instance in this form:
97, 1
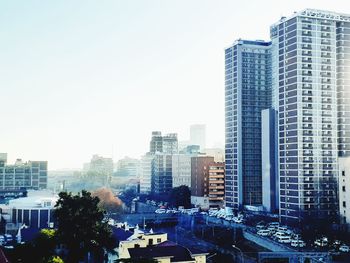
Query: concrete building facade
248, 82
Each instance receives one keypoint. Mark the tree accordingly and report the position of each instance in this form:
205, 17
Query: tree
180, 196
41, 249
55, 259
108, 201
81, 227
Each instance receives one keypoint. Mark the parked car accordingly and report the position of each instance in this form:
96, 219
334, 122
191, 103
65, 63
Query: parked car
282, 229
296, 236
260, 226
272, 229
238, 220
274, 224
277, 235
264, 232
336, 243
297, 243
160, 211
8, 237
344, 248
284, 239
321, 242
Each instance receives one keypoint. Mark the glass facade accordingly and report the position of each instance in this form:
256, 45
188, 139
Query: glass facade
248, 82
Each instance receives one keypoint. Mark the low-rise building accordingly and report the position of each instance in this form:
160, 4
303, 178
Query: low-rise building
135, 244
216, 184
22, 175
35, 211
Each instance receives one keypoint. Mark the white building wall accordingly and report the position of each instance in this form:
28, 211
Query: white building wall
344, 190
181, 170
146, 173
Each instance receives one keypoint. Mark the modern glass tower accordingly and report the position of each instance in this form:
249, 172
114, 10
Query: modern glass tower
312, 51
248, 82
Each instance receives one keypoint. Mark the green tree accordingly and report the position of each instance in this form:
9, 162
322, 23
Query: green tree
40, 250
81, 227
55, 259
180, 196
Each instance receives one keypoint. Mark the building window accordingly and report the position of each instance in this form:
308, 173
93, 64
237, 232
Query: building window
343, 173
343, 188
344, 204
159, 240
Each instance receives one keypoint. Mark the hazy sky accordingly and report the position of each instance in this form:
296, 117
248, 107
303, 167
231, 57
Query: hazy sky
85, 77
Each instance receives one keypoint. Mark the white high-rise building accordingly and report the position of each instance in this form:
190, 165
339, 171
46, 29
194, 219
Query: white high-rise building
311, 81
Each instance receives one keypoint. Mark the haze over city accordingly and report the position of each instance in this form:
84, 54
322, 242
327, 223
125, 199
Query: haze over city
87, 77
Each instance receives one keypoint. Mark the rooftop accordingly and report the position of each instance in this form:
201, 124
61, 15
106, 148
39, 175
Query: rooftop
315, 13
176, 253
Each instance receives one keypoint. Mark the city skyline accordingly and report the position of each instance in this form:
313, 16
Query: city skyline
81, 64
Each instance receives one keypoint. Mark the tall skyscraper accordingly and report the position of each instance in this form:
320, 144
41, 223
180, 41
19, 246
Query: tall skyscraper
248, 84
312, 74
198, 135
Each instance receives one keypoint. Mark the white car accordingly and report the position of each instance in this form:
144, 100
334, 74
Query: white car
344, 248
297, 243
282, 229
260, 226
160, 211
277, 235
264, 232
284, 239
274, 224
8, 238
321, 242
237, 220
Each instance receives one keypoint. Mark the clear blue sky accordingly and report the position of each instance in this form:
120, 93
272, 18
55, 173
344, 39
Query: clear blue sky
85, 77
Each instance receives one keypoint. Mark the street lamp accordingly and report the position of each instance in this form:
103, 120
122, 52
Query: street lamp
241, 253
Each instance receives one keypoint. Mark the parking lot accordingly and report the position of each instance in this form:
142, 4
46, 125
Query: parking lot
271, 231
